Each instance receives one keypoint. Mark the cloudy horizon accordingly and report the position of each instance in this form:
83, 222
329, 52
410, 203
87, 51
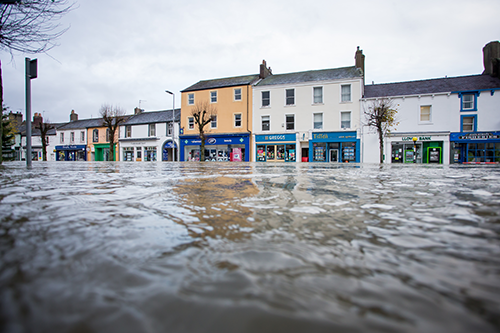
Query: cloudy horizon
125, 54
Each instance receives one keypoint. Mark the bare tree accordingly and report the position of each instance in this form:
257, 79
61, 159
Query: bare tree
44, 128
30, 26
112, 117
380, 116
203, 113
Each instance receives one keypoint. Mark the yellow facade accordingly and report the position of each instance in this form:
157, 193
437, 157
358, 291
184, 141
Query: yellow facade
96, 143
233, 105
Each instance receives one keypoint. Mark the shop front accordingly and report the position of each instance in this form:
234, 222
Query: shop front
276, 148
218, 147
334, 147
428, 148
71, 153
169, 152
139, 150
475, 147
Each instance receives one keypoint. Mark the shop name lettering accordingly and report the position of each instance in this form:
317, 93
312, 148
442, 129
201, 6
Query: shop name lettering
421, 138
479, 136
325, 136
275, 137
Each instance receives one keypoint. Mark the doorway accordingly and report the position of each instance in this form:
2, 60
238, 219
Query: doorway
334, 155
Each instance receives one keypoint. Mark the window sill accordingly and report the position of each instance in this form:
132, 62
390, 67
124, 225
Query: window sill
290, 105
426, 123
266, 107
346, 102
314, 104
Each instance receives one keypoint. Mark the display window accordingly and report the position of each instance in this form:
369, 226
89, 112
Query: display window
319, 152
278, 153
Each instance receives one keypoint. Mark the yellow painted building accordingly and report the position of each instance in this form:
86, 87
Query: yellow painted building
228, 135
98, 143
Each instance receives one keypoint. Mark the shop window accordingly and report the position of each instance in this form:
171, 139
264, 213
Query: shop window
237, 94
61, 137
318, 95
345, 119
82, 136
266, 123
213, 122
270, 153
191, 123
128, 153
190, 99
128, 131
280, 153
139, 153
152, 130
468, 102
468, 123
319, 152
266, 98
213, 97
237, 120
318, 121
290, 96
72, 137
425, 113
345, 93
290, 153
261, 153
349, 151
290, 121
95, 135
150, 153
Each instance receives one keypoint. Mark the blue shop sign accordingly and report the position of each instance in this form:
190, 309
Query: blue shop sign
71, 147
334, 136
275, 137
170, 144
212, 141
475, 136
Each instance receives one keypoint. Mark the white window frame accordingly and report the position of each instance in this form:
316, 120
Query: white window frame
420, 114
241, 120
170, 129
128, 131
82, 136
342, 96
191, 123
72, 137
61, 137
95, 138
286, 124
191, 99
472, 102
350, 119
262, 122
213, 96
262, 99
213, 122
314, 96
152, 130
314, 123
286, 97
236, 95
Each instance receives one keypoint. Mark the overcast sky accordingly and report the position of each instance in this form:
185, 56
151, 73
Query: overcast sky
126, 52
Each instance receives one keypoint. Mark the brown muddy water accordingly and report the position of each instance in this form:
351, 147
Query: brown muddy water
246, 247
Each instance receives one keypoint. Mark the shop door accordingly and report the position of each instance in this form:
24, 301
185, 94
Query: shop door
334, 155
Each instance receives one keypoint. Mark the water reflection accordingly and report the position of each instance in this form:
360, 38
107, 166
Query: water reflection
201, 247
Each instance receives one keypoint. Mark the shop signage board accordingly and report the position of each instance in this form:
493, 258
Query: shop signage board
471, 136
336, 136
275, 138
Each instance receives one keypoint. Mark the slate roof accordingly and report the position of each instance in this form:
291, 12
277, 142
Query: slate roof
224, 82
36, 131
83, 123
312, 76
154, 117
450, 84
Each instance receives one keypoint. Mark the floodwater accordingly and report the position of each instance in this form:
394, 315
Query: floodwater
245, 247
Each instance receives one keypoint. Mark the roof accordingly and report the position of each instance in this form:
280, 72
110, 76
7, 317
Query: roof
154, 117
441, 85
84, 123
224, 82
312, 76
36, 132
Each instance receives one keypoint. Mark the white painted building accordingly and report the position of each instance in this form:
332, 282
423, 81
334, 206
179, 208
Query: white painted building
454, 119
150, 136
309, 116
36, 140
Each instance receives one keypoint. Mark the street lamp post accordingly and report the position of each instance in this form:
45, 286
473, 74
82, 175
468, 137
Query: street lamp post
414, 139
173, 118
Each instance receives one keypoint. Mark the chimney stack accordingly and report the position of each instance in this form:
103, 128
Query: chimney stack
491, 59
73, 116
264, 70
37, 119
137, 110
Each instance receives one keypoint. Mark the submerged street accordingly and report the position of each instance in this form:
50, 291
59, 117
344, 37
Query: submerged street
249, 247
